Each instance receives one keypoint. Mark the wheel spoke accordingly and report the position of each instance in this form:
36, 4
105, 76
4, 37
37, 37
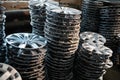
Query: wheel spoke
5, 76
22, 45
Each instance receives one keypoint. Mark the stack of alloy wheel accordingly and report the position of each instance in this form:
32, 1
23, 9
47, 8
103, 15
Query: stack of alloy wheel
2, 33
91, 37
37, 13
117, 57
92, 61
7, 72
90, 15
26, 53
110, 23
62, 33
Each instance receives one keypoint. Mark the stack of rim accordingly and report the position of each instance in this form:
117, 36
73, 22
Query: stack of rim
2, 33
26, 53
37, 13
62, 32
90, 15
92, 37
117, 57
92, 60
110, 23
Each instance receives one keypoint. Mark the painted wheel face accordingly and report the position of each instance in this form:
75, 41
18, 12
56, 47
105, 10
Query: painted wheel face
7, 72
26, 41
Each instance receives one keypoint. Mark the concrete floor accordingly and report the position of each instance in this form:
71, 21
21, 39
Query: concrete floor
113, 73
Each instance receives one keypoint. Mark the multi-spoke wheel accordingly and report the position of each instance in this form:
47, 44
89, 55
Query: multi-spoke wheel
26, 52
25, 40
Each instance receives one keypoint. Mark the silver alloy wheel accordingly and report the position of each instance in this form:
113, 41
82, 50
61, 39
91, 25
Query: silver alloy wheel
26, 40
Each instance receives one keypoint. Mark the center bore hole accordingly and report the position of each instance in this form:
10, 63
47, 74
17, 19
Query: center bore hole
94, 41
